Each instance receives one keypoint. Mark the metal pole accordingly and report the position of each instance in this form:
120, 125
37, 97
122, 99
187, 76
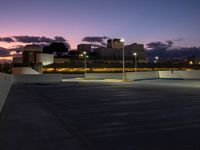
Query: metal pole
123, 64
85, 65
135, 63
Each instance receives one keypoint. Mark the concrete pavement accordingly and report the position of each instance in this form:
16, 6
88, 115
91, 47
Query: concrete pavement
153, 115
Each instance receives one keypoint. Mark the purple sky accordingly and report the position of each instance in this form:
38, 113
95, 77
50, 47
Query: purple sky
140, 21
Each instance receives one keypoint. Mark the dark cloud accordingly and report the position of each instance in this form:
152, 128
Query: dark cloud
98, 41
167, 50
4, 52
17, 48
160, 45
60, 39
6, 39
33, 39
41, 40
170, 43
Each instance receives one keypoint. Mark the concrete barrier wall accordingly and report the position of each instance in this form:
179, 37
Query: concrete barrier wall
65, 76
40, 78
129, 75
142, 75
194, 74
23, 70
5, 85
104, 75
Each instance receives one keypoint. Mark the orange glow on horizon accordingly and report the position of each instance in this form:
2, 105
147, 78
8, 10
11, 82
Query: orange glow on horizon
6, 58
13, 52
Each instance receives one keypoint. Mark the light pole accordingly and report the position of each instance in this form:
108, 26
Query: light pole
156, 62
135, 55
156, 59
123, 59
85, 63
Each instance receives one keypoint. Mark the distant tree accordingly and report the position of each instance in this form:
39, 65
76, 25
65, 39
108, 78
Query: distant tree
58, 48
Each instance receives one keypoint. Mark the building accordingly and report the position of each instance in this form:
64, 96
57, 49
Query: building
193, 60
84, 47
61, 60
30, 52
17, 60
138, 49
114, 43
32, 61
33, 54
44, 59
116, 53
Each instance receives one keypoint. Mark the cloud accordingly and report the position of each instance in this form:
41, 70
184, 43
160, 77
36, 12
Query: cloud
60, 39
12, 52
160, 45
41, 40
98, 41
6, 39
17, 48
177, 40
170, 43
33, 39
167, 50
4, 52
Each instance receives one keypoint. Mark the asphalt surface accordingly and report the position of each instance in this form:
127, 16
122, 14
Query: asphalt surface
153, 115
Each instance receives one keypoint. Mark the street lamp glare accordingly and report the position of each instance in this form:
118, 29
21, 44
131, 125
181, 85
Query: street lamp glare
135, 55
123, 55
156, 57
122, 40
85, 63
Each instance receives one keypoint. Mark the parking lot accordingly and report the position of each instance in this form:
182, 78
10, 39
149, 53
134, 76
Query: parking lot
138, 115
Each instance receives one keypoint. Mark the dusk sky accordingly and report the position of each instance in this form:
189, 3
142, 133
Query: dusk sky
141, 21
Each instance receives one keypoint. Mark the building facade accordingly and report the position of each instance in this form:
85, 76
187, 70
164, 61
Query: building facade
30, 53
116, 53
114, 43
84, 47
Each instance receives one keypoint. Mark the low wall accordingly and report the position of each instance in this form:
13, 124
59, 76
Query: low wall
5, 85
23, 70
193, 74
104, 75
129, 75
38, 78
142, 75
65, 76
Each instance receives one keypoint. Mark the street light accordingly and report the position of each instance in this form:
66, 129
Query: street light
123, 59
135, 55
156, 59
85, 63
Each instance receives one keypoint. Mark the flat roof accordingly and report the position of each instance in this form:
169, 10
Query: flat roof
149, 114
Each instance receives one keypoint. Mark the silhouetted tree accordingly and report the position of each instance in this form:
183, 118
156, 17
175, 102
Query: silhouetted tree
58, 48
